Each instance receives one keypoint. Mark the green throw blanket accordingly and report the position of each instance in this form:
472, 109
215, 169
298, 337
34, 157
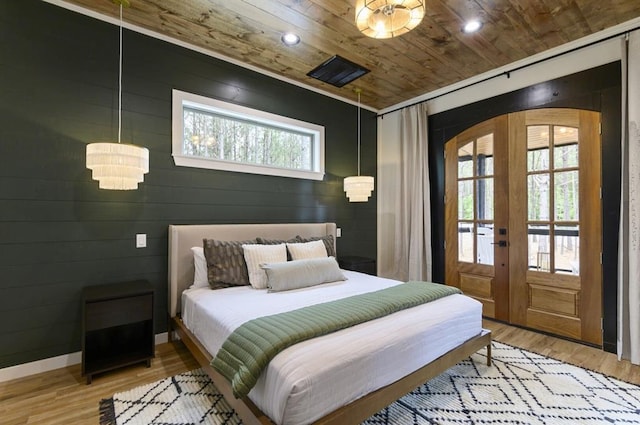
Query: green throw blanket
253, 344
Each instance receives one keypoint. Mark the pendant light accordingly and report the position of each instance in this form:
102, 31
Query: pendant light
118, 166
388, 18
358, 188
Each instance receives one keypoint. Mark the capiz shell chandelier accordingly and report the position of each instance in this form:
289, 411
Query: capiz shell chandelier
388, 18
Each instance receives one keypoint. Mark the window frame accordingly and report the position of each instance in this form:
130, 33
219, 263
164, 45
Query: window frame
181, 99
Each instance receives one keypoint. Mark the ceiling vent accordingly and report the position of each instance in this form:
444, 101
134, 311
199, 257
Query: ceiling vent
338, 71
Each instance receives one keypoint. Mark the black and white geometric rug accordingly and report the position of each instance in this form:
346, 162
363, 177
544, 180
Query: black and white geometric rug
188, 398
520, 388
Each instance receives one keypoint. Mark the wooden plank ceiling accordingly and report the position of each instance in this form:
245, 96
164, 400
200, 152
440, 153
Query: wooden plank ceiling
435, 54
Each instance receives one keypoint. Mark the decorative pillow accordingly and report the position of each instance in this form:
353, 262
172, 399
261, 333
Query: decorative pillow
200, 278
256, 255
328, 243
225, 263
300, 251
302, 273
265, 241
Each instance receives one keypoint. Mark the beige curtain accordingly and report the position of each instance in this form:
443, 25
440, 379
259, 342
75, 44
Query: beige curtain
404, 251
629, 245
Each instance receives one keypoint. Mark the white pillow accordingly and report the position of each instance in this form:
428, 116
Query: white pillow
200, 278
256, 255
302, 273
301, 251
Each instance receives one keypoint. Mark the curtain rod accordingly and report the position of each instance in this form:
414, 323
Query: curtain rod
518, 68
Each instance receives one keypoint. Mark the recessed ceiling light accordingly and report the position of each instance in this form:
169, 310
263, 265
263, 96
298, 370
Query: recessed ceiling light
471, 26
290, 39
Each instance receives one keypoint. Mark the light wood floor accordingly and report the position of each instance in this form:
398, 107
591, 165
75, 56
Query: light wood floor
61, 397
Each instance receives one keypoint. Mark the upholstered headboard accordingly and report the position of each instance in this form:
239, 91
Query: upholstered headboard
183, 237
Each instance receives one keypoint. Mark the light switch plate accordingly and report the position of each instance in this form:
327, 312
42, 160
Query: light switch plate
141, 240
338, 232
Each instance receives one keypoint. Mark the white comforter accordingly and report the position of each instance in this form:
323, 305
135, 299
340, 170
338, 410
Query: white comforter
308, 380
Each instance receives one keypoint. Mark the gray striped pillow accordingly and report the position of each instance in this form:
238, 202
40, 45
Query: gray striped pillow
225, 263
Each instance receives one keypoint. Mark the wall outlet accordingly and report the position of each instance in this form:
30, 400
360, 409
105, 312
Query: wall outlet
338, 232
141, 240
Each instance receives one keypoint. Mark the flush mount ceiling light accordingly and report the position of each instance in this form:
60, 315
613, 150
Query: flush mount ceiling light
358, 188
388, 18
472, 26
118, 166
290, 39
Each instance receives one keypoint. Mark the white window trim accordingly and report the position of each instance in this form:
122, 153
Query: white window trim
181, 99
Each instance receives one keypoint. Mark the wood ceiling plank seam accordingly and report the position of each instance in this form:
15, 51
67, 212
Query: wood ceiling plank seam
423, 51
623, 9
273, 14
497, 30
531, 43
597, 14
469, 59
166, 13
569, 19
540, 21
435, 59
371, 51
433, 55
346, 24
269, 56
345, 10
477, 41
232, 45
340, 50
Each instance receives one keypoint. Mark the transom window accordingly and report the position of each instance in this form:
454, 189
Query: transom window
208, 133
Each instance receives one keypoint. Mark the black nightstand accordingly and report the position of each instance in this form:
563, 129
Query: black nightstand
358, 264
117, 326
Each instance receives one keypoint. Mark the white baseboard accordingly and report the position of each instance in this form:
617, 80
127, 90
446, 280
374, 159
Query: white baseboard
52, 363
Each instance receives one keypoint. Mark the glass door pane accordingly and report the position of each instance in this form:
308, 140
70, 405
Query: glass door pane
465, 161
465, 242
538, 191
465, 200
538, 147
553, 199
567, 249
476, 201
484, 242
566, 196
539, 248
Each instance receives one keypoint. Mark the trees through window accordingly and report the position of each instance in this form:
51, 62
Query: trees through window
209, 133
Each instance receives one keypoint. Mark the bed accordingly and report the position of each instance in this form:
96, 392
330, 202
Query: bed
343, 388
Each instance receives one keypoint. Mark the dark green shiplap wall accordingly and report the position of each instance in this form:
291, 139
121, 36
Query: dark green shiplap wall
59, 232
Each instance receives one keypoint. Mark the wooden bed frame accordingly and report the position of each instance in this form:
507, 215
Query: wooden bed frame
183, 237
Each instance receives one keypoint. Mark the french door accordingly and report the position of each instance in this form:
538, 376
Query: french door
523, 219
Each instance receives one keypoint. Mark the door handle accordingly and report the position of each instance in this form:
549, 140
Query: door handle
501, 244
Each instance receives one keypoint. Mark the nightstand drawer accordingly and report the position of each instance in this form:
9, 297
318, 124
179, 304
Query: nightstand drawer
358, 264
118, 311
117, 326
